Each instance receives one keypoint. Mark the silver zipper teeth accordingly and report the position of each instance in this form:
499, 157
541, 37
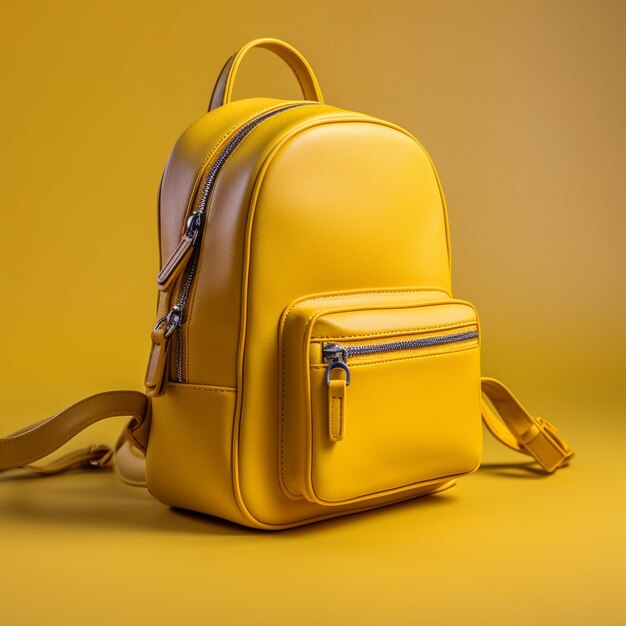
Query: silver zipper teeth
192, 264
238, 137
179, 354
409, 344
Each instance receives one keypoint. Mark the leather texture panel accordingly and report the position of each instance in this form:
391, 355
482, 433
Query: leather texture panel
407, 422
196, 419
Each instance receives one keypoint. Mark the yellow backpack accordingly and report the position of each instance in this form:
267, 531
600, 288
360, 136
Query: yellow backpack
308, 359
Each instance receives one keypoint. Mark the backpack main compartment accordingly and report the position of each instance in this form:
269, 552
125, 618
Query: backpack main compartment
313, 202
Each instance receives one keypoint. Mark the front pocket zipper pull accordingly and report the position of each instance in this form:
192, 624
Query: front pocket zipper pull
175, 264
337, 408
336, 356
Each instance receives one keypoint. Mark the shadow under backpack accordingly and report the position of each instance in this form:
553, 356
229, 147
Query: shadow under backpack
308, 360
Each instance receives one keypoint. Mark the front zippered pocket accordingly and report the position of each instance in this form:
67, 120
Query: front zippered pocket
382, 396
183, 262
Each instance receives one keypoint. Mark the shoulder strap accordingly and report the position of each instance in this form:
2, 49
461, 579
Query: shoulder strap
34, 442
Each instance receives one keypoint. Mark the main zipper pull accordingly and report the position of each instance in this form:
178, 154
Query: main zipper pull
336, 356
170, 322
178, 259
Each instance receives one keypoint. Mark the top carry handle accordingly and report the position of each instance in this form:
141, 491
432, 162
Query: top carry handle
223, 90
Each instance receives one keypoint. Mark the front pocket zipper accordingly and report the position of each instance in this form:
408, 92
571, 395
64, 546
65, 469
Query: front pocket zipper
185, 257
337, 355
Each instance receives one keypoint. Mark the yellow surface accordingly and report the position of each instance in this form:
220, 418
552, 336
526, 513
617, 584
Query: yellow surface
521, 107
495, 549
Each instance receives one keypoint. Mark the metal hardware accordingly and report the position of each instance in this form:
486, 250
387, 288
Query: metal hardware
341, 365
333, 351
407, 344
194, 222
172, 321
337, 355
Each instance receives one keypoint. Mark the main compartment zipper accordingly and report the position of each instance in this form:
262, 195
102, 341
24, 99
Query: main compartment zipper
337, 355
188, 250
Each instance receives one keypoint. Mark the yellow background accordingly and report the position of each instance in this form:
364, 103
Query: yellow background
520, 104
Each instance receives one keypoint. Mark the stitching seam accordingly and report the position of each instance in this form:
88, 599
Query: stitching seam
208, 389
396, 332
336, 402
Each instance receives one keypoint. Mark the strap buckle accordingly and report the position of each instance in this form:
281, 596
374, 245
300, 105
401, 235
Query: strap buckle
545, 445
